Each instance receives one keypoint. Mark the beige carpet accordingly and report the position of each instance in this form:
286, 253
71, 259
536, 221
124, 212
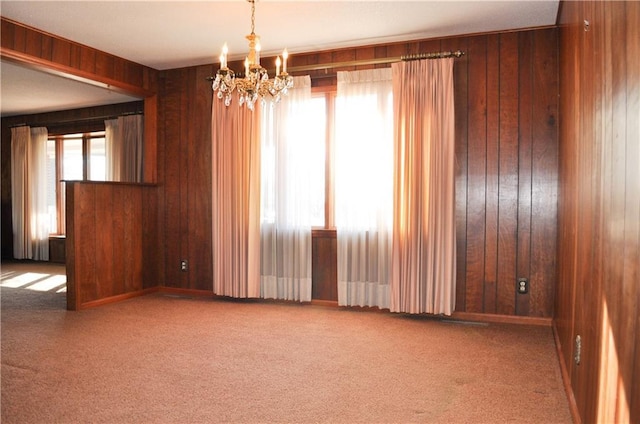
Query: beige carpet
168, 359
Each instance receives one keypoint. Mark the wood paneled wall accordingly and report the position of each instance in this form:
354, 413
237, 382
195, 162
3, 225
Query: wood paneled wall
184, 173
112, 244
598, 293
54, 54
507, 166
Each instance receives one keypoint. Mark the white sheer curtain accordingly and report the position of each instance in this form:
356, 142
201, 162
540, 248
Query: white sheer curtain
125, 140
364, 186
424, 235
287, 197
29, 193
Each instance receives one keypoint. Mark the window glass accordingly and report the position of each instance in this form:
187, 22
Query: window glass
316, 125
97, 159
72, 164
303, 154
74, 157
52, 209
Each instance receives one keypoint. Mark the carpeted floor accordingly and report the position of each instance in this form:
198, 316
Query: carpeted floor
170, 359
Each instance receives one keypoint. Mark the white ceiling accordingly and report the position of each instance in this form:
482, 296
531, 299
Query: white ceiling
174, 34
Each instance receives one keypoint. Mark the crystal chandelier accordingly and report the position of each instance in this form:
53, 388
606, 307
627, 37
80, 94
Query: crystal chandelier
256, 83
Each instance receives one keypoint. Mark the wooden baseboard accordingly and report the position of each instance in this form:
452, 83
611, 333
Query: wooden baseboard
566, 380
187, 292
457, 316
117, 298
501, 319
327, 303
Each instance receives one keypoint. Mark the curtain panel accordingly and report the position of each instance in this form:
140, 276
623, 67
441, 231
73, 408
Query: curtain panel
424, 240
125, 148
29, 193
286, 196
364, 186
236, 199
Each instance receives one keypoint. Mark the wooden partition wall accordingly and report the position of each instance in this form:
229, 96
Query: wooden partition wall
598, 293
506, 89
112, 244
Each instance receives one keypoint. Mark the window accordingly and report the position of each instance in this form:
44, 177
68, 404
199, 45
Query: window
320, 128
293, 168
72, 157
324, 107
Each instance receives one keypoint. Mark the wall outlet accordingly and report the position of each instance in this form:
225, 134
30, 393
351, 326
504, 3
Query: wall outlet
522, 286
577, 351
184, 265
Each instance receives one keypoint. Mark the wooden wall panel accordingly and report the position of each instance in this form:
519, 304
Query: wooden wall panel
106, 240
185, 110
171, 116
49, 53
598, 293
525, 127
506, 153
508, 173
492, 175
324, 267
544, 184
477, 174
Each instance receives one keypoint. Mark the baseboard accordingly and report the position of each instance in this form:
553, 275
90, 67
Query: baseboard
117, 298
566, 380
501, 319
459, 316
187, 292
327, 303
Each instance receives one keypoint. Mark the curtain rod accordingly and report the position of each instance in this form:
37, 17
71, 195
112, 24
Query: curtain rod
378, 61
56, 122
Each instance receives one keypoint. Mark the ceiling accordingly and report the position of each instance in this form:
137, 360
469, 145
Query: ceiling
174, 34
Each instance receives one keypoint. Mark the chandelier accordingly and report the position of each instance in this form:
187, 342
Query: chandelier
255, 83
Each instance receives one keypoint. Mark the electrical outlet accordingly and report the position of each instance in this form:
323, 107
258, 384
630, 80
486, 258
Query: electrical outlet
577, 351
184, 265
522, 286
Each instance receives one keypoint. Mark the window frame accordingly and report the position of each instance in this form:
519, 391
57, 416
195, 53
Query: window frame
329, 94
59, 139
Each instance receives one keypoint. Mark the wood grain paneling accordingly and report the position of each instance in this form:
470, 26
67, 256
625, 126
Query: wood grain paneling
185, 128
324, 267
598, 293
109, 250
475, 140
50, 53
506, 153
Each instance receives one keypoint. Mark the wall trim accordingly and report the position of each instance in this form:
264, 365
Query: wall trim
456, 316
115, 299
501, 319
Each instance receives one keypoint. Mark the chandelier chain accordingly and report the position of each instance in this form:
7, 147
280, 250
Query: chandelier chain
253, 16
